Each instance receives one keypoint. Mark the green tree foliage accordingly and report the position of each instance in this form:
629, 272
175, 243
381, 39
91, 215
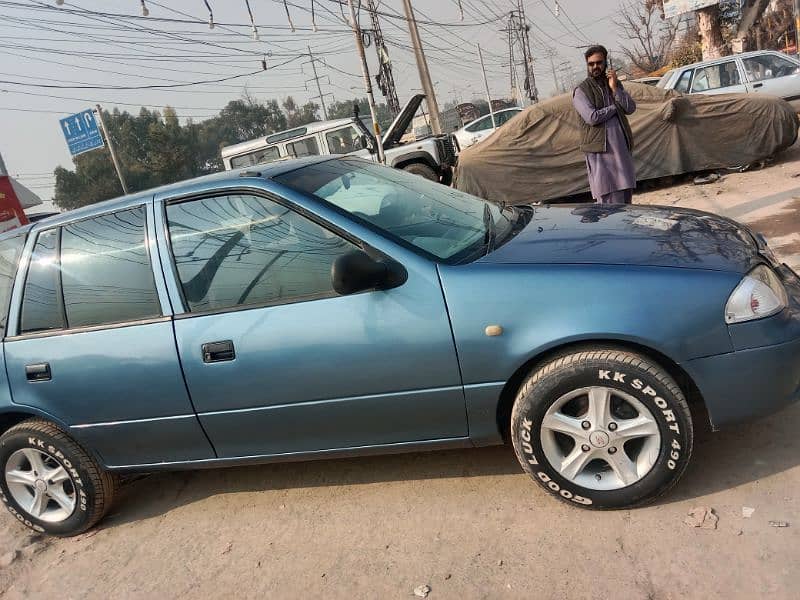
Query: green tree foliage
297, 116
344, 110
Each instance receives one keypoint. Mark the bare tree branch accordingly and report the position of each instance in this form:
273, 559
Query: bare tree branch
650, 37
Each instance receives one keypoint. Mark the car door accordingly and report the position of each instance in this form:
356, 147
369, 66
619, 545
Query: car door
276, 362
91, 343
722, 77
773, 74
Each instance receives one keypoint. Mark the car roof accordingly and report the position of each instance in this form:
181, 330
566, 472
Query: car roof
265, 171
731, 56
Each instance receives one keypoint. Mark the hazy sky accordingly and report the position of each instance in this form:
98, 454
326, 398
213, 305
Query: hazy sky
44, 44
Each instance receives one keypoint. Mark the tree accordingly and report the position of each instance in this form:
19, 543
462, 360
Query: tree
709, 24
300, 115
688, 50
650, 38
343, 109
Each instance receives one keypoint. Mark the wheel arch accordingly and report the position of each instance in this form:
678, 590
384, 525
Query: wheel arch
509, 392
16, 415
416, 157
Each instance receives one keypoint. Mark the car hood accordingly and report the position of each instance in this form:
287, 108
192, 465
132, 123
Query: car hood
629, 235
395, 131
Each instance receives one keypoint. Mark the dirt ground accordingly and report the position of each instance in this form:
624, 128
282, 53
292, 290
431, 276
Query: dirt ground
467, 523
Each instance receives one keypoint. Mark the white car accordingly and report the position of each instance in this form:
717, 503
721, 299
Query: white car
763, 71
474, 132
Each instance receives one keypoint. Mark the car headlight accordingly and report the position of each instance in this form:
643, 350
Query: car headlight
760, 294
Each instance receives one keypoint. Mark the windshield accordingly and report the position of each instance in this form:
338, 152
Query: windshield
662, 83
443, 222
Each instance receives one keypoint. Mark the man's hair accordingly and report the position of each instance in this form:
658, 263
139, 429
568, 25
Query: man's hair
596, 50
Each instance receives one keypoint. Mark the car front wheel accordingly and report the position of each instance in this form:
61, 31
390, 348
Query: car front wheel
602, 429
49, 483
422, 170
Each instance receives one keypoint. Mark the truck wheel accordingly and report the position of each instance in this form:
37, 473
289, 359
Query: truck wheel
602, 429
49, 482
422, 170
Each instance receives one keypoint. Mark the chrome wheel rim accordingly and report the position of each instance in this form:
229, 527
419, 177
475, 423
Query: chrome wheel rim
600, 438
40, 485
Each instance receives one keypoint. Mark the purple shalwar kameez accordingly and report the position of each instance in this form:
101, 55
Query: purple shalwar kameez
612, 176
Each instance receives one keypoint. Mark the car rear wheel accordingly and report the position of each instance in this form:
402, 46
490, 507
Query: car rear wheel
422, 170
49, 483
602, 429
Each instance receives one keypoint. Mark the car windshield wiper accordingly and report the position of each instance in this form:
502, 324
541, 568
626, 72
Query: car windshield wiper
491, 231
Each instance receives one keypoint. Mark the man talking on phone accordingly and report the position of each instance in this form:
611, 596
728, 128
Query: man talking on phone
606, 138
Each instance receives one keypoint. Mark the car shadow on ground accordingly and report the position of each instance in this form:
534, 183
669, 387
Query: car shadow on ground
720, 461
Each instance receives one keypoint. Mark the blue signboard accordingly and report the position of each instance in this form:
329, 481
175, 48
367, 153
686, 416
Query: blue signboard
81, 132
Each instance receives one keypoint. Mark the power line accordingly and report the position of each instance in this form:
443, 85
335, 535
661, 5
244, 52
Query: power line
84, 86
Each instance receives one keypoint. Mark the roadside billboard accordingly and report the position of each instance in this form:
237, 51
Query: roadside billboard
673, 8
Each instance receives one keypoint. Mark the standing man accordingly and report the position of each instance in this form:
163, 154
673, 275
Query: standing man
606, 138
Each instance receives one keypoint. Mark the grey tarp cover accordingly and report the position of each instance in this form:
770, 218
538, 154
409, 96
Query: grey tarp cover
535, 156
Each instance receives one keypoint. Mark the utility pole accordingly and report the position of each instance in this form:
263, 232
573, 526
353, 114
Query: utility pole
321, 96
523, 35
550, 55
486, 85
422, 66
111, 150
512, 67
376, 128
384, 77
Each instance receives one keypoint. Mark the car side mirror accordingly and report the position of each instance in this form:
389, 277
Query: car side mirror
357, 271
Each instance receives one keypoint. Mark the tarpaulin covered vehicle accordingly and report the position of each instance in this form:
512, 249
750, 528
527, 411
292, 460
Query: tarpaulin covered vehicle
535, 157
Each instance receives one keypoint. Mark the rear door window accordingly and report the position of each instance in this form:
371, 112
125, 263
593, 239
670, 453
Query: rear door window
90, 272
106, 272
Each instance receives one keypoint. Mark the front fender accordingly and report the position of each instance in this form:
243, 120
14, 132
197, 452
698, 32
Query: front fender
677, 312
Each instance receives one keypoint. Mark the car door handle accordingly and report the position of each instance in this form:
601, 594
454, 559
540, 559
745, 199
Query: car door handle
218, 351
38, 372
758, 85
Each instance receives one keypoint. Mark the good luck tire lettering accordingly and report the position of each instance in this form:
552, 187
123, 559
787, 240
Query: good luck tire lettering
624, 374
92, 488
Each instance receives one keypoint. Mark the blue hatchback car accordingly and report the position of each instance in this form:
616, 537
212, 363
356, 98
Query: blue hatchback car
332, 307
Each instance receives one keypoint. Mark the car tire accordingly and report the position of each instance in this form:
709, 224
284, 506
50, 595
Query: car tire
602, 429
49, 483
422, 170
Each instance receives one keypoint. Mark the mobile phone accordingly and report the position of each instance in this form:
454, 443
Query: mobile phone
610, 63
